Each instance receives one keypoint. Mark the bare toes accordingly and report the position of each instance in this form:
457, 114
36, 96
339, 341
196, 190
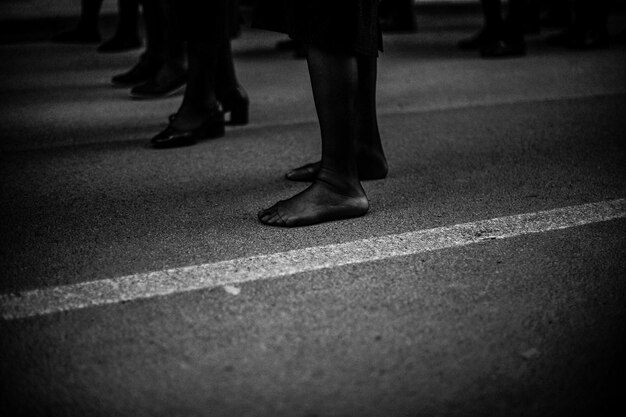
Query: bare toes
273, 219
265, 214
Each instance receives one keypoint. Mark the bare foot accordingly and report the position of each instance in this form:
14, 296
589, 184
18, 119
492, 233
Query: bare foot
371, 166
320, 202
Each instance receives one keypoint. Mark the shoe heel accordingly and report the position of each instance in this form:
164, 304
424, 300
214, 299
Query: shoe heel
237, 104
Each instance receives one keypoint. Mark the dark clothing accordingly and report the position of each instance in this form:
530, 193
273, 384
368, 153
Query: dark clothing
511, 28
164, 44
349, 26
203, 19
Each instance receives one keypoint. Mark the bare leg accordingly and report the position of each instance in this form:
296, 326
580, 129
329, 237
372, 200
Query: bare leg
371, 161
336, 192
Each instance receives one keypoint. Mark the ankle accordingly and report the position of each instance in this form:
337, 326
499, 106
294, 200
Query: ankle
346, 184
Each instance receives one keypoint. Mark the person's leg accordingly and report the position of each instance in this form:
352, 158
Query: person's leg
172, 75
492, 26
229, 92
155, 36
200, 115
87, 30
126, 35
151, 61
200, 97
510, 42
336, 192
371, 161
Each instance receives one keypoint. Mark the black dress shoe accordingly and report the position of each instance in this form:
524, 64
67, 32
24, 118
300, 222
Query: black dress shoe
120, 44
173, 137
236, 104
159, 87
503, 49
140, 73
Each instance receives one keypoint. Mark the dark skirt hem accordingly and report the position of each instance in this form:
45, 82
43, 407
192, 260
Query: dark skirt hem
349, 26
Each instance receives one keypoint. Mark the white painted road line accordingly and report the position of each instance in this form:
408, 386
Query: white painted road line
172, 281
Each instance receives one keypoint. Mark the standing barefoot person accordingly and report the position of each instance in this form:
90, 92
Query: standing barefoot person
342, 39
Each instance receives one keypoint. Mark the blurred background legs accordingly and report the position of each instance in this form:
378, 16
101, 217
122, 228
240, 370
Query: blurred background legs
212, 85
126, 35
499, 37
167, 52
398, 15
588, 27
87, 29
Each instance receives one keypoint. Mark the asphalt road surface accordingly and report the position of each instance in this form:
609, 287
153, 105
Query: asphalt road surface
461, 315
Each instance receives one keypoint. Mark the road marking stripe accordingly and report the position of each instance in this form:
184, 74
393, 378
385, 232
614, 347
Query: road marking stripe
177, 280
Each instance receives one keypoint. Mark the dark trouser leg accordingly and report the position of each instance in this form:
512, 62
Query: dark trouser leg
173, 49
155, 38
336, 193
